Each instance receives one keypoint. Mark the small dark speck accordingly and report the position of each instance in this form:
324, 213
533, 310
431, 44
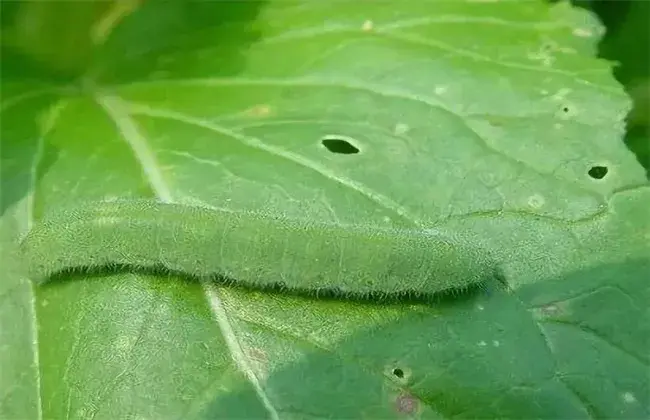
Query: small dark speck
598, 172
547, 46
339, 145
398, 373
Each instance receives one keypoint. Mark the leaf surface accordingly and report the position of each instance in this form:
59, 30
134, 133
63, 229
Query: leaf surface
491, 118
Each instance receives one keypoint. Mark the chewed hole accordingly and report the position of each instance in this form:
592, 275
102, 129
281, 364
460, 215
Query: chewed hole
598, 172
341, 145
398, 373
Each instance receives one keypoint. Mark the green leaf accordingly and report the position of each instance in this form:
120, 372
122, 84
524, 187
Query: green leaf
55, 35
493, 118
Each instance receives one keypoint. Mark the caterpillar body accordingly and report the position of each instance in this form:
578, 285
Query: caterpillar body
254, 249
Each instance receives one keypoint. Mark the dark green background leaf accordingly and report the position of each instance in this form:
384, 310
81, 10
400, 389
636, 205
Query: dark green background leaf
484, 117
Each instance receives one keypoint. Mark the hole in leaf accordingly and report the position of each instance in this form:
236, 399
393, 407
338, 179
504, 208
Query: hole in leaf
598, 172
398, 373
339, 145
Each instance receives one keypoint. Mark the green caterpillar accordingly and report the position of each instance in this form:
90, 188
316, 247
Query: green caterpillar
253, 249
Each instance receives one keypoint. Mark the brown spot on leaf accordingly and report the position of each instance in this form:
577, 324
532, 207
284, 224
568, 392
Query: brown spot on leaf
407, 404
261, 110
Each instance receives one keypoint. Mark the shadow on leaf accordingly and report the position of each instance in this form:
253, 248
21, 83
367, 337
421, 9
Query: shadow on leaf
503, 355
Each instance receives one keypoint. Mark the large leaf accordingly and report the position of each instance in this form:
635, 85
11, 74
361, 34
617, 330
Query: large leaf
491, 118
